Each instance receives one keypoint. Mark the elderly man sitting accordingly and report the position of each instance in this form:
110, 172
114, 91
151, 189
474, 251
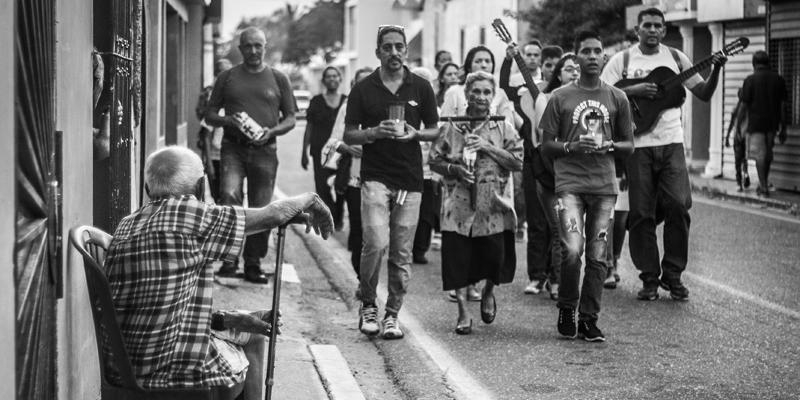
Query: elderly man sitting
161, 278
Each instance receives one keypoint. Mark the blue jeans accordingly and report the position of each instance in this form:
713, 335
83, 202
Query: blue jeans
598, 210
659, 190
259, 165
386, 224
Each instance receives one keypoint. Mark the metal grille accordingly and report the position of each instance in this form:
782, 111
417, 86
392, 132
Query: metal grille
785, 59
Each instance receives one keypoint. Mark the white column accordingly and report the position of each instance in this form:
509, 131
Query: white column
714, 166
687, 32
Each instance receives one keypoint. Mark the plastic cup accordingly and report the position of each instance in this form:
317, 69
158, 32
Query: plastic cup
397, 114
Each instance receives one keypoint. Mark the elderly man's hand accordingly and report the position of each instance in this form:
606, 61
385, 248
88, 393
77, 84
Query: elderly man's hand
253, 322
306, 208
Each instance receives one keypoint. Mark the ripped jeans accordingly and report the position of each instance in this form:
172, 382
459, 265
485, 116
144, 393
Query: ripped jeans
576, 232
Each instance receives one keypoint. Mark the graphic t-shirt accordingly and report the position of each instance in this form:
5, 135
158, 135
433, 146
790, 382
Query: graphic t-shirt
573, 111
669, 128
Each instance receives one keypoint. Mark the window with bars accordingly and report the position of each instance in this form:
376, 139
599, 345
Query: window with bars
784, 57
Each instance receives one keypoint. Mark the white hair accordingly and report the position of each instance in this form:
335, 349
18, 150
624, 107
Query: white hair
476, 76
172, 171
422, 72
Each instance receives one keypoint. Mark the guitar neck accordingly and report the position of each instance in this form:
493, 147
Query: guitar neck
686, 74
526, 73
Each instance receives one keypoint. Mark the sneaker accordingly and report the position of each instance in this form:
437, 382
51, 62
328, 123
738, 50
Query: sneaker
554, 291
420, 259
566, 323
589, 331
391, 328
534, 287
676, 290
648, 292
451, 295
368, 320
610, 282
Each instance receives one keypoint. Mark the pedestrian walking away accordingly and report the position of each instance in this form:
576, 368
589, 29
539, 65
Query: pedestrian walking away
585, 126
764, 96
738, 125
160, 256
320, 117
259, 106
658, 179
476, 160
384, 114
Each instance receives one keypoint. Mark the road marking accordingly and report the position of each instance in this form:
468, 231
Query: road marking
289, 274
750, 210
744, 295
335, 372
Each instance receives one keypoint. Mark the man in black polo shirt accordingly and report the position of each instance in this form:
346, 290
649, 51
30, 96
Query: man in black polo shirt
265, 94
763, 95
391, 172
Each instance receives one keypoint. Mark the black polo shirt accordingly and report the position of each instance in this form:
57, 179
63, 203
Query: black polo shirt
763, 93
398, 165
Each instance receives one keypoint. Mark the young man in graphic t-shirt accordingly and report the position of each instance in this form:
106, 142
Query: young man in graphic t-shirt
657, 176
585, 125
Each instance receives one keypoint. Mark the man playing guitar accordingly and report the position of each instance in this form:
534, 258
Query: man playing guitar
658, 178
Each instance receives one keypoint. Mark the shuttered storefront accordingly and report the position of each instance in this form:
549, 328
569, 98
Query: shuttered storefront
784, 52
735, 72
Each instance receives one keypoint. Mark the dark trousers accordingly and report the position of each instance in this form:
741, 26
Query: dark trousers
539, 232
659, 191
325, 191
259, 165
555, 255
598, 211
354, 238
617, 238
428, 217
213, 182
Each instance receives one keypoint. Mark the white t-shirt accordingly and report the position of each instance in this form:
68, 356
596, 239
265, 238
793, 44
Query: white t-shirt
455, 103
669, 128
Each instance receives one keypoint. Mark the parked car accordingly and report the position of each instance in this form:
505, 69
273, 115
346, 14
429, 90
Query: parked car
303, 98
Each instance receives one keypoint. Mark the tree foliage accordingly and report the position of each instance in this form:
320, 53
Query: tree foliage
557, 21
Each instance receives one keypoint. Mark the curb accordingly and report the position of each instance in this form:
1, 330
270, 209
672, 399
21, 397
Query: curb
712, 192
335, 373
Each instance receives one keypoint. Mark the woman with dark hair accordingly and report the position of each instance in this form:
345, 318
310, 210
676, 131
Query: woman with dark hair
475, 160
479, 58
566, 71
320, 116
448, 76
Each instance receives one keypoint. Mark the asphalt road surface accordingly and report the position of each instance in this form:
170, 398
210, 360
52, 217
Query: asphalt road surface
736, 337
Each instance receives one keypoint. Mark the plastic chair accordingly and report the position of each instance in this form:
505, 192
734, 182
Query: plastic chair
92, 244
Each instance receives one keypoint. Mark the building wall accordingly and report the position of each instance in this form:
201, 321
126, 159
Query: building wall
78, 367
472, 17
7, 182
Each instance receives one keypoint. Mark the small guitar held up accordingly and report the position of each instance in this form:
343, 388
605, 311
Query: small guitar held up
646, 111
527, 100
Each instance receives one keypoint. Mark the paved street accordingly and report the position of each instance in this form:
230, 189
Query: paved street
735, 338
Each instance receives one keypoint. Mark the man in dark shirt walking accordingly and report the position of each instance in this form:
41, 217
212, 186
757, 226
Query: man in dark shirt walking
265, 94
764, 94
391, 171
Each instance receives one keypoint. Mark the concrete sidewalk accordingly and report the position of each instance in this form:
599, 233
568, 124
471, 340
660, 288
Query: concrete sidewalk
727, 189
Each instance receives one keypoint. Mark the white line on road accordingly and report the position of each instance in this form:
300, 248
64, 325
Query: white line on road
744, 295
750, 210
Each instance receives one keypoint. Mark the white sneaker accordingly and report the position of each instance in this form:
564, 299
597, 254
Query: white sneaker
368, 320
391, 328
534, 287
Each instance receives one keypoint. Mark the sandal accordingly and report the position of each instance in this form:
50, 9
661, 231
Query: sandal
464, 329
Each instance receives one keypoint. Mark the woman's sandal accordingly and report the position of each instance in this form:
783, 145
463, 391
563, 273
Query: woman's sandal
464, 329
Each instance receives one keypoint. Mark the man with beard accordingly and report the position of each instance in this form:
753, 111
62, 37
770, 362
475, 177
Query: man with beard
265, 95
657, 176
391, 171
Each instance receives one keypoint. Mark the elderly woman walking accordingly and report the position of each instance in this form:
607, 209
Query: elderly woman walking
478, 221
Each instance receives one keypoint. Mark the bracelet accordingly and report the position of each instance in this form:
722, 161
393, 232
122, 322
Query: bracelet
566, 147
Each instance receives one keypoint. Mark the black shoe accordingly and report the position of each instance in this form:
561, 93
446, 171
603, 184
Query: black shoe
227, 270
464, 329
649, 292
256, 275
746, 180
420, 259
589, 331
488, 317
566, 323
676, 290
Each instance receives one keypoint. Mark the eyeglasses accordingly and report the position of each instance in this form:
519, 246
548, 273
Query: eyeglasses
571, 69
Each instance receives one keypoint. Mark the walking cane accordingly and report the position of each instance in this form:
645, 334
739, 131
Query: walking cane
276, 300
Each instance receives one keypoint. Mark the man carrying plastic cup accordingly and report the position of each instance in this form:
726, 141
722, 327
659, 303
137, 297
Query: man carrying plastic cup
391, 171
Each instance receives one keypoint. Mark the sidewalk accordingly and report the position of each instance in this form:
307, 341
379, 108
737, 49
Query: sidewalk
726, 189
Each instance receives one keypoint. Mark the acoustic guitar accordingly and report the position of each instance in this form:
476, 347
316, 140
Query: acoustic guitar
526, 101
671, 94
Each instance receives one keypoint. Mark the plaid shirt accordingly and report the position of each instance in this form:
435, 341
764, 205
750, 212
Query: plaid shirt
159, 270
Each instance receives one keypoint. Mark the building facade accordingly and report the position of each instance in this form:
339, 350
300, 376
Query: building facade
153, 64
